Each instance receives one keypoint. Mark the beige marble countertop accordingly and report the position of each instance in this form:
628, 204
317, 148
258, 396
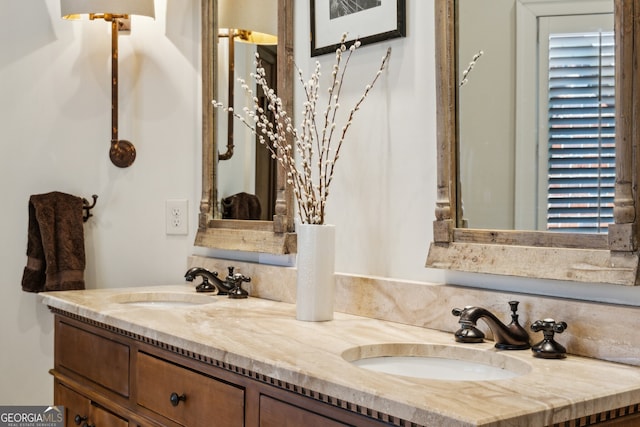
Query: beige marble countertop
264, 337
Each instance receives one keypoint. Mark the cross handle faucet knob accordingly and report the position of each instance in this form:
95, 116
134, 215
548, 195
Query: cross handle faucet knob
548, 348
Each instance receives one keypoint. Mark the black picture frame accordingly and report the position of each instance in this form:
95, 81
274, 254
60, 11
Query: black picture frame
381, 20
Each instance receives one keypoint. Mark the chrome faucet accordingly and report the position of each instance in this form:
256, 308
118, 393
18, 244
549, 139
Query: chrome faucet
231, 285
507, 337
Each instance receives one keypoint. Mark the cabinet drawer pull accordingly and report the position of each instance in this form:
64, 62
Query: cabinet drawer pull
176, 399
78, 419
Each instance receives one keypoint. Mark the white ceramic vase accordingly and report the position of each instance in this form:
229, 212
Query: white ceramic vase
316, 264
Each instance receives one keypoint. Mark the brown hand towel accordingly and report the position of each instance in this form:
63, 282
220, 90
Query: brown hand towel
241, 206
55, 243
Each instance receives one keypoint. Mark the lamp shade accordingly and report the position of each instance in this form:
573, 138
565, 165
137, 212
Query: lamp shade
71, 9
257, 18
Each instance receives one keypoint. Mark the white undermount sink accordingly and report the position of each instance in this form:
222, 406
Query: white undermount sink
162, 299
437, 362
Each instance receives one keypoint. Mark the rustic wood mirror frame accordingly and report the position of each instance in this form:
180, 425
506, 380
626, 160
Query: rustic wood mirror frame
277, 236
607, 258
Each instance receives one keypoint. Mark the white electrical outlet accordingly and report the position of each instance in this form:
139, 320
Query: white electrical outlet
176, 216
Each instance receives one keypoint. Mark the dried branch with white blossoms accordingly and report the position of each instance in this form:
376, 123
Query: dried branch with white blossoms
317, 145
467, 71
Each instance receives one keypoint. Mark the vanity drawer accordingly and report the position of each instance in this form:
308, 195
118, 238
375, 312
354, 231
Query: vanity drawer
198, 400
275, 413
94, 357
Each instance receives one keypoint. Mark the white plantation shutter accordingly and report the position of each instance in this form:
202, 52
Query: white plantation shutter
581, 132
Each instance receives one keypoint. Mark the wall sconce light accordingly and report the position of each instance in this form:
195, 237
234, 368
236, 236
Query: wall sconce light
248, 21
122, 152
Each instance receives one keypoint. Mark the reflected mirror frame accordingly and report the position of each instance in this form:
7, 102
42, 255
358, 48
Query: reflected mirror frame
277, 236
607, 258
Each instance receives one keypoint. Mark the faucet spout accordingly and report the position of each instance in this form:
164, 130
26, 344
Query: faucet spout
210, 281
507, 337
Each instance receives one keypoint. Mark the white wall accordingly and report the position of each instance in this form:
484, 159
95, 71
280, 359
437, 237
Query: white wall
383, 195
55, 99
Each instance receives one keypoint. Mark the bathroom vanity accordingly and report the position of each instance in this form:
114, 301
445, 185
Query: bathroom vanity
169, 356
113, 378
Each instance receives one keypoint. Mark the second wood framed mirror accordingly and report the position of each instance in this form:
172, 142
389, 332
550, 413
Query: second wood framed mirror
609, 257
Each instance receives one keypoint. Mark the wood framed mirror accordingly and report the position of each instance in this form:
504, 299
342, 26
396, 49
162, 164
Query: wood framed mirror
610, 257
276, 236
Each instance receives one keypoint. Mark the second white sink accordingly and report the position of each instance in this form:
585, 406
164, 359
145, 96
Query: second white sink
437, 362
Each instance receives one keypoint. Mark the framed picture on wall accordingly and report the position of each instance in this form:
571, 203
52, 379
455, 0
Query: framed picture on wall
369, 21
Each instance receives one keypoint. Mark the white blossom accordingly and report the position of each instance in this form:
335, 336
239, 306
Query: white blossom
467, 71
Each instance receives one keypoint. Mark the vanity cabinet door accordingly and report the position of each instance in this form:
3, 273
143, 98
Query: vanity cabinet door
75, 404
185, 396
275, 413
80, 411
103, 418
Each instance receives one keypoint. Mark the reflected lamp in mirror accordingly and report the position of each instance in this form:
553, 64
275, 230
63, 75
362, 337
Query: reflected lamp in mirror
122, 153
251, 21
248, 21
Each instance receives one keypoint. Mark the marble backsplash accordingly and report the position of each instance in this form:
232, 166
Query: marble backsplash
598, 330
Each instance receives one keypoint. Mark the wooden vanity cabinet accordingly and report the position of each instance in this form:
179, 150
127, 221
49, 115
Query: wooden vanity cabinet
112, 378
109, 377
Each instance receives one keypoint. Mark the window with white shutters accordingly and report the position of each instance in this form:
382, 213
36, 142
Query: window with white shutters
581, 132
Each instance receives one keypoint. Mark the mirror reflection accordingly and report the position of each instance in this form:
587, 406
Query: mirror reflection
536, 115
246, 174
